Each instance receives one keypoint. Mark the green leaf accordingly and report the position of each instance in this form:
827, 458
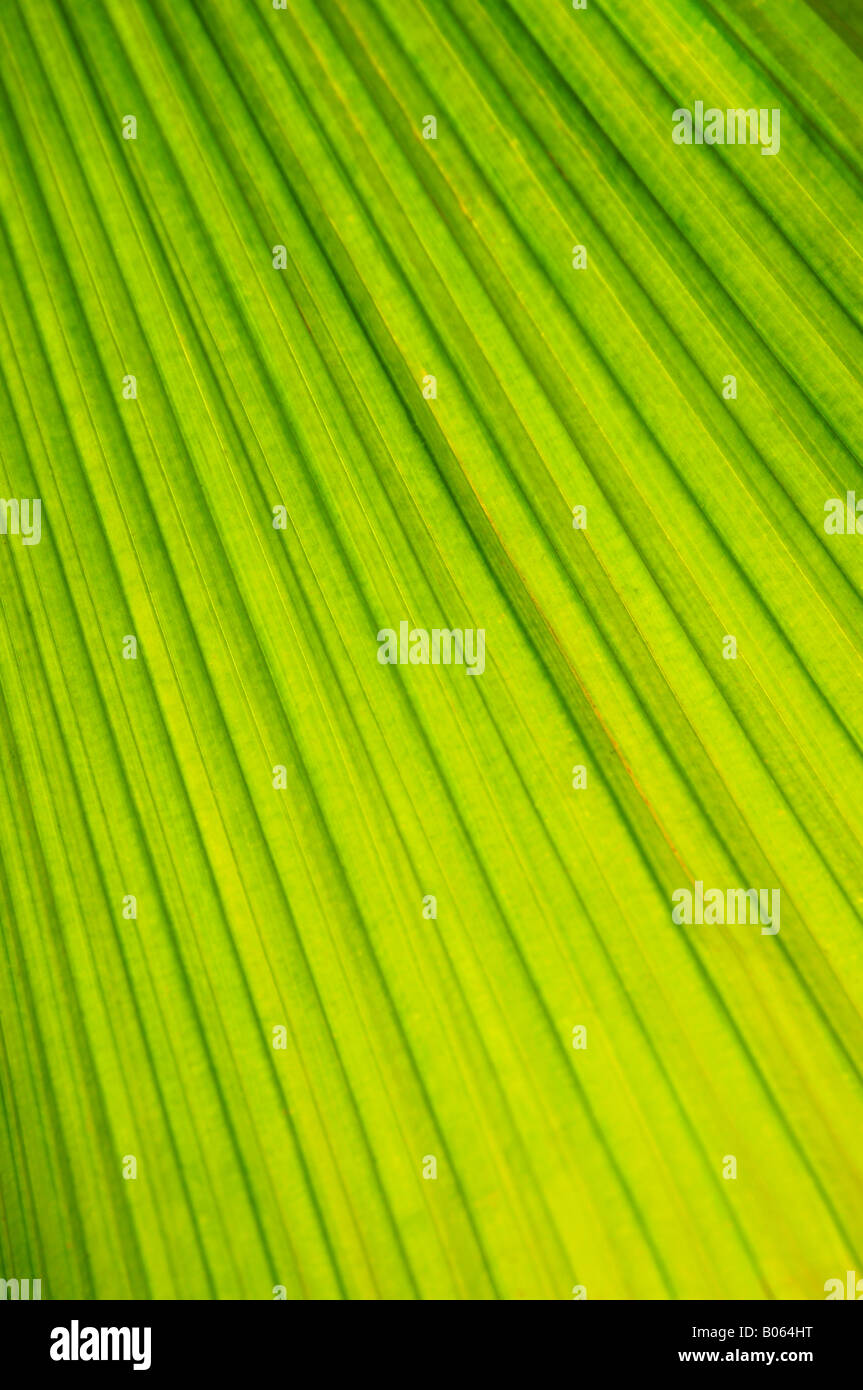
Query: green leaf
327, 1091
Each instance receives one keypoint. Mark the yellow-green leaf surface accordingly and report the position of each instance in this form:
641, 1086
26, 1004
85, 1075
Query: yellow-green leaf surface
321, 1087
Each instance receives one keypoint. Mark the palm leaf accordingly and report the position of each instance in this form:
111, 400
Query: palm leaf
300, 907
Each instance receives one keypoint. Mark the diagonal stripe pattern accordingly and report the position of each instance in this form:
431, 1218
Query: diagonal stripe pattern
322, 977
